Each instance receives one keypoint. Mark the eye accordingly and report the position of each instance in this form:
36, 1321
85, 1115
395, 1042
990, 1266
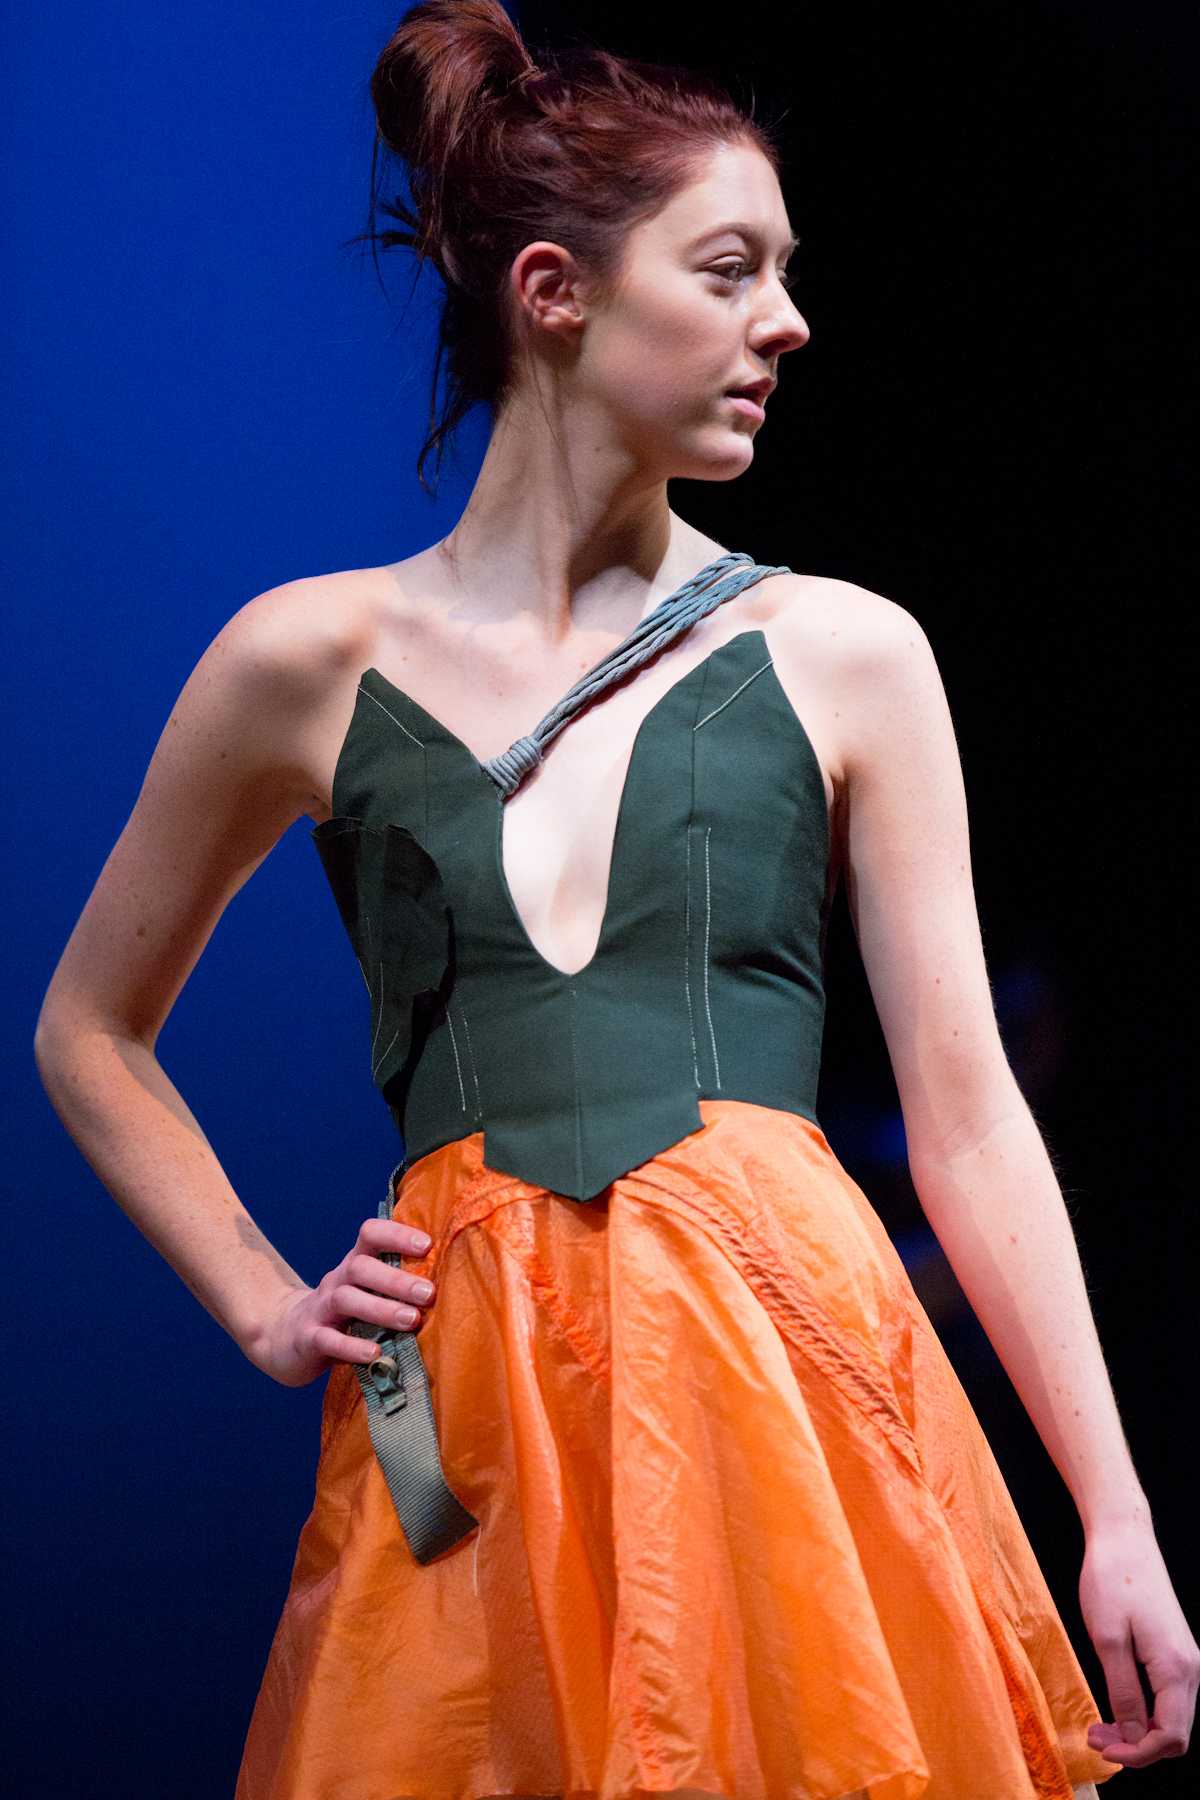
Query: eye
785, 280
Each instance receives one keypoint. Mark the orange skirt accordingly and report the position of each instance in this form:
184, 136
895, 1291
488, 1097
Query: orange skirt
741, 1533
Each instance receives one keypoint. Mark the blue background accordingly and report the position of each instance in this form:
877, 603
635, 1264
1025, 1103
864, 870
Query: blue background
207, 394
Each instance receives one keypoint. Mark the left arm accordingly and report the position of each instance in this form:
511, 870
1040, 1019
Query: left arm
978, 1163
980, 1168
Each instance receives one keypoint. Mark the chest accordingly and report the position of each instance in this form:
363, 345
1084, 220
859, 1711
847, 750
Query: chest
561, 833
558, 836
716, 782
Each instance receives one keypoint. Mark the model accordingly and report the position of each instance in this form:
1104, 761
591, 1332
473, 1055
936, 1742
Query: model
642, 1469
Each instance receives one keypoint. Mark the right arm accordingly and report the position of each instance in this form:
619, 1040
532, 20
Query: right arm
231, 772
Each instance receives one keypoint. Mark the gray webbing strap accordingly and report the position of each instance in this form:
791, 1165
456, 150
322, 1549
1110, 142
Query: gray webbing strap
404, 1432
728, 576
395, 1385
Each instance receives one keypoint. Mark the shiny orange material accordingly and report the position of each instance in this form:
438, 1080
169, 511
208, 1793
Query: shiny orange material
741, 1533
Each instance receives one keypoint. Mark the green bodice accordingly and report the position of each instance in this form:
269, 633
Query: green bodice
707, 980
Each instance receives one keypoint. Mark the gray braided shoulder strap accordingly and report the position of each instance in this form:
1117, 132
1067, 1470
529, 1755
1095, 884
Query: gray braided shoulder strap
717, 582
395, 1384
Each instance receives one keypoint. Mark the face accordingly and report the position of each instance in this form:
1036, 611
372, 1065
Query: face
702, 307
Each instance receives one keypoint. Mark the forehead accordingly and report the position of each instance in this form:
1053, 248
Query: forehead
736, 192
748, 228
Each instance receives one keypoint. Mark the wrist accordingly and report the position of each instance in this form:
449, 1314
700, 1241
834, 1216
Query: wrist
1127, 1510
255, 1331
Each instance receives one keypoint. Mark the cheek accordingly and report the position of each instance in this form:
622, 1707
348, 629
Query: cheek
673, 363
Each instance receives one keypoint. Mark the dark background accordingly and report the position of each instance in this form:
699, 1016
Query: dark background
208, 395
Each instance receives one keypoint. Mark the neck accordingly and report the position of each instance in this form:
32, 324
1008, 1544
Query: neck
557, 549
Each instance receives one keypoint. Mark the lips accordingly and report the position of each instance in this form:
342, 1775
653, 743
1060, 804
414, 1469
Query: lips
755, 390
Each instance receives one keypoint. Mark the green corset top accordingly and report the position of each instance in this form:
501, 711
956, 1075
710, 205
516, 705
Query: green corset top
707, 980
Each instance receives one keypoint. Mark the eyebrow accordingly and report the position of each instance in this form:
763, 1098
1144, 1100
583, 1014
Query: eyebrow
747, 231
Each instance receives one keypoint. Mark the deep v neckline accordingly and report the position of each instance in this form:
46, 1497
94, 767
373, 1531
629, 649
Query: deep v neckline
373, 678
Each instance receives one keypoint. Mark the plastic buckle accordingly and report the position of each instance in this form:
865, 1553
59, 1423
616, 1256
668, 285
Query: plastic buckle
383, 1371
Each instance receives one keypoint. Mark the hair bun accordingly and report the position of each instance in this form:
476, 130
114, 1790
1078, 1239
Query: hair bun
442, 59
528, 77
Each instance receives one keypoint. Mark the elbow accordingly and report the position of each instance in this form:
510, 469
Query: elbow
958, 1118
64, 1026
58, 1028
48, 1037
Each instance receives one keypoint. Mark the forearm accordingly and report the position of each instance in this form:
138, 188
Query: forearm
138, 1135
999, 1215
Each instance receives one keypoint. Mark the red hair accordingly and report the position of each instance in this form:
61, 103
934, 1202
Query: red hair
501, 151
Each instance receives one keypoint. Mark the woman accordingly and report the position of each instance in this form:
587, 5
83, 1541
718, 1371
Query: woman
677, 1493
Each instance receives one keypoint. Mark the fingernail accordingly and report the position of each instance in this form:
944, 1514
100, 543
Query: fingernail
1131, 1731
422, 1289
421, 1241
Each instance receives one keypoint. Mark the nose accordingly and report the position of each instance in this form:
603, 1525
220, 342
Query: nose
792, 334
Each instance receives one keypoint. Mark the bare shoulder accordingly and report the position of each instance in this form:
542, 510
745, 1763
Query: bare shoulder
293, 656
291, 641
238, 760
837, 646
852, 628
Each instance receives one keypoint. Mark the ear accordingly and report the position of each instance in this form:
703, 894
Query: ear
546, 286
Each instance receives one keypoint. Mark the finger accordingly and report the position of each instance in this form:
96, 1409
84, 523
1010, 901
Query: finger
1157, 1742
328, 1341
1125, 1691
382, 1235
373, 1309
368, 1275
1101, 1736
1174, 1711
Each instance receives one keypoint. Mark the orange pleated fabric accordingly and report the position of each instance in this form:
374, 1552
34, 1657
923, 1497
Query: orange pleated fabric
741, 1533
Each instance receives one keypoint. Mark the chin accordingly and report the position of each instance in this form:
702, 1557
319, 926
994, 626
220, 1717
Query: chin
725, 463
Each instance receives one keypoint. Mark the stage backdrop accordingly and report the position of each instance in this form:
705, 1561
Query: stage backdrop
207, 395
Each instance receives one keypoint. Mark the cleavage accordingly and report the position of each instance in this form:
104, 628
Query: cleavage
558, 831
557, 843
